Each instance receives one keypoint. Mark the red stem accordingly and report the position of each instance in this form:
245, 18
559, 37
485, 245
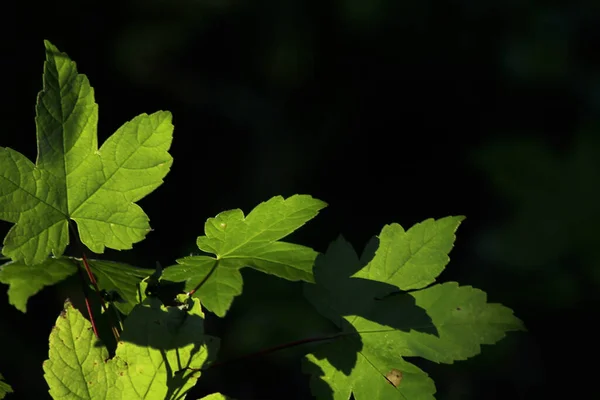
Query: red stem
92, 279
114, 329
89, 310
87, 302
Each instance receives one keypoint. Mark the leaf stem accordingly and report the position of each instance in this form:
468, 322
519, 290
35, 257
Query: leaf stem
273, 349
92, 279
87, 301
203, 281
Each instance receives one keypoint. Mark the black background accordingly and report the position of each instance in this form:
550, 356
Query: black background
390, 112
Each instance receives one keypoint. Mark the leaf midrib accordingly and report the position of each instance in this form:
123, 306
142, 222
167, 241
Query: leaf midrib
80, 365
107, 179
412, 255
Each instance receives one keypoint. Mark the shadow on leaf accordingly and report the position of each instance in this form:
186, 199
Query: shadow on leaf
344, 299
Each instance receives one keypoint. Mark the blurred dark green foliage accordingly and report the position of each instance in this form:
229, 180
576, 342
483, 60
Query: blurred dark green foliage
391, 112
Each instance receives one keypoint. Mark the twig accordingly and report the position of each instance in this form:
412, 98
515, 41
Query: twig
273, 349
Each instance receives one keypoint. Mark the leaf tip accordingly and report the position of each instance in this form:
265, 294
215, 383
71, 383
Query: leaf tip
519, 324
166, 113
456, 219
50, 48
21, 307
67, 305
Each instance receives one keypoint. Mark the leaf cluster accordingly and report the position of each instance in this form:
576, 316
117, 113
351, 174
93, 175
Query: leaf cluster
385, 303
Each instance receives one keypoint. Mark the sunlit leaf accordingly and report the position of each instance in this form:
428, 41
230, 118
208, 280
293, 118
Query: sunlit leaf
380, 324
252, 241
73, 180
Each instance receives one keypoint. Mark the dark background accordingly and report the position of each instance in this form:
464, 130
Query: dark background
391, 111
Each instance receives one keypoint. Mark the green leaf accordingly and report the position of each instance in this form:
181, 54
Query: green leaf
367, 378
380, 324
27, 280
412, 259
461, 321
77, 367
220, 285
6, 389
215, 396
251, 241
73, 179
120, 278
230, 234
158, 346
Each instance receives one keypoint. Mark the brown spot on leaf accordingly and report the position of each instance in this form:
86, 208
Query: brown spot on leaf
394, 377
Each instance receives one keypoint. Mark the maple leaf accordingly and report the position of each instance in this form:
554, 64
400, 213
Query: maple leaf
74, 180
26, 280
380, 323
159, 355
5, 388
250, 241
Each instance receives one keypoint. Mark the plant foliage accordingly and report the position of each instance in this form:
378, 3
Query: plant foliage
385, 303
380, 322
157, 347
4, 387
252, 241
74, 180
